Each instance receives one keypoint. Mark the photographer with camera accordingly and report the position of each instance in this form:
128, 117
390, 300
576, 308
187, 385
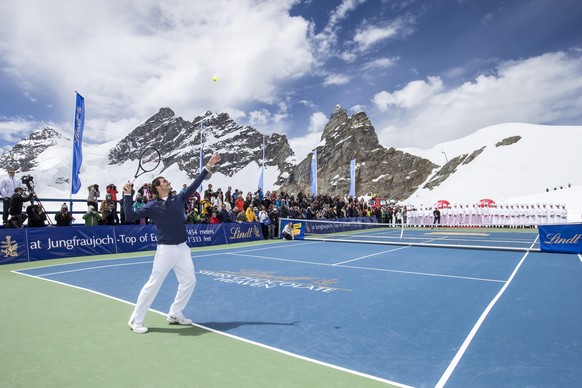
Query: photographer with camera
92, 217
93, 196
17, 217
111, 189
7, 188
36, 216
63, 217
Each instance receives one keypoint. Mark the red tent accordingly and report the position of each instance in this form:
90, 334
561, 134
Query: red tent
442, 203
487, 203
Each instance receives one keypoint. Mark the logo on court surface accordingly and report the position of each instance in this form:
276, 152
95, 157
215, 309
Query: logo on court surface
9, 247
262, 279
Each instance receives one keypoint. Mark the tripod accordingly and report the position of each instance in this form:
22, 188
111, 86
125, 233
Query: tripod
30, 186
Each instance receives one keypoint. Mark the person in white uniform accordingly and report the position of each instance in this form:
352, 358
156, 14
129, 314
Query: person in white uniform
166, 211
7, 187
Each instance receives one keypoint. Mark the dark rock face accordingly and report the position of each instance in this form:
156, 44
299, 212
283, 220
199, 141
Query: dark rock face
450, 168
179, 142
508, 141
387, 172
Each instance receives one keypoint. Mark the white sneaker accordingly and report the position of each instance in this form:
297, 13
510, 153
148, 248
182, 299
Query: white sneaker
180, 320
137, 327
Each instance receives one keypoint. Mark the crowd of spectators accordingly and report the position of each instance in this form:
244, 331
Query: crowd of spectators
222, 206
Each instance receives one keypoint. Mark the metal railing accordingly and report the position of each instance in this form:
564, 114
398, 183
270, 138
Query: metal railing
77, 207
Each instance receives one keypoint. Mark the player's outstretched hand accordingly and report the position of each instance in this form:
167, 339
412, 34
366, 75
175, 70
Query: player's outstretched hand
214, 159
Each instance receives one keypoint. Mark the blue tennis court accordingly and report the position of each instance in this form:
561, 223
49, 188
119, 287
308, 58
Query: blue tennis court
410, 316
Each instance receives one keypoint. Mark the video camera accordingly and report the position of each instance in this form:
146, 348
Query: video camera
28, 181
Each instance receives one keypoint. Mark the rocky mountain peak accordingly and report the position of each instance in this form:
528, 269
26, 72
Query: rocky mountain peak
23, 155
342, 128
379, 170
179, 142
162, 115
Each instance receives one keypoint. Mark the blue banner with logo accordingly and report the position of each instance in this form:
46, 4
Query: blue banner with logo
314, 173
13, 248
59, 242
78, 143
242, 232
353, 178
202, 235
31, 244
566, 238
135, 238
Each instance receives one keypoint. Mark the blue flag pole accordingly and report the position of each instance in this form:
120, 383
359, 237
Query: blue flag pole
314, 173
78, 143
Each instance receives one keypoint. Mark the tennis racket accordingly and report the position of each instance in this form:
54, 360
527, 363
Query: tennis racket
149, 160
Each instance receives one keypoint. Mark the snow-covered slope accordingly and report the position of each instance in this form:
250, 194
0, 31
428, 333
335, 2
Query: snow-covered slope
528, 170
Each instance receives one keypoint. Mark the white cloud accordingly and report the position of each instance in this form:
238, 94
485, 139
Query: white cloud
325, 41
342, 10
543, 89
130, 58
260, 117
270, 121
303, 145
380, 63
235, 114
370, 35
309, 104
412, 95
317, 122
336, 79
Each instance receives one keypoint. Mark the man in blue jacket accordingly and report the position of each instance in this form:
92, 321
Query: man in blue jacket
166, 211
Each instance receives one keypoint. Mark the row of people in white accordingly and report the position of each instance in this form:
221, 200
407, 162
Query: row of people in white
513, 215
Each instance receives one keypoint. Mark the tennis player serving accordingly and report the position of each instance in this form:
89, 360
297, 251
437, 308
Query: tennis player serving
167, 212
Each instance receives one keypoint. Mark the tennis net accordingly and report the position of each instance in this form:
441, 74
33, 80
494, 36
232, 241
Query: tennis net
520, 239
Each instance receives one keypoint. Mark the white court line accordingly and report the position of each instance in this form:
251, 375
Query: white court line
450, 369
271, 246
81, 262
125, 264
370, 255
89, 268
73, 286
370, 269
132, 257
243, 253
285, 352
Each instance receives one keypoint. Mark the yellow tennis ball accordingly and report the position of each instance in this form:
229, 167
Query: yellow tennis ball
215, 78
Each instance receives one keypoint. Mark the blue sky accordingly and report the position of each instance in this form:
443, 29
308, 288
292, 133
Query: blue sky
425, 72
